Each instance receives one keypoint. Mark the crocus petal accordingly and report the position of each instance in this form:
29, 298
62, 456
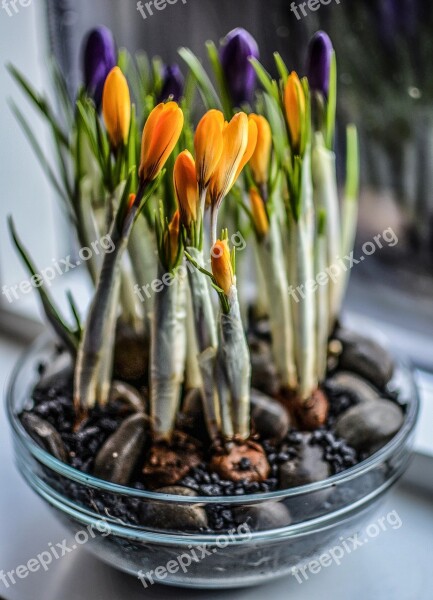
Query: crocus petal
235, 142
99, 57
222, 269
185, 185
261, 157
116, 107
249, 151
236, 50
261, 222
294, 103
208, 144
160, 135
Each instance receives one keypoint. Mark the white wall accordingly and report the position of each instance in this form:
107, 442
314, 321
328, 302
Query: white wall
24, 191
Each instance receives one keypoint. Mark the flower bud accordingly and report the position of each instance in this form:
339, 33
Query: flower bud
160, 135
185, 185
222, 269
116, 107
319, 63
295, 108
172, 240
235, 52
260, 218
99, 57
173, 83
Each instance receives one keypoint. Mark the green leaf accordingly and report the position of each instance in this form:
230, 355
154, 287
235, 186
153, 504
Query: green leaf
75, 312
279, 132
39, 102
69, 337
62, 93
269, 84
207, 90
352, 163
40, 154
331, 108
220, 78
281, 67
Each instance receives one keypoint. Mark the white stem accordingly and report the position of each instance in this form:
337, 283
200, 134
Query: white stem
193, 378
213, 225
322, 332
305, 344
271, 260
207, 340
167, 355
326, 198
235, 357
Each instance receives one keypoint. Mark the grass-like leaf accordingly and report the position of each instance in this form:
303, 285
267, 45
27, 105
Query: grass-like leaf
207, 90
70, 338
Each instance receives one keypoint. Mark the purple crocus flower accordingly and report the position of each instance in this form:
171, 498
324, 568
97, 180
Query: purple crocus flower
173, 83
236, 48
319, 63
99, 57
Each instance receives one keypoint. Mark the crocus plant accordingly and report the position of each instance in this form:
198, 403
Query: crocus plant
148, 175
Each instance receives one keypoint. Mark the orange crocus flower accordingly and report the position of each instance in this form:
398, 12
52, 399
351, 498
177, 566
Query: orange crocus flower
160, 135
116, 107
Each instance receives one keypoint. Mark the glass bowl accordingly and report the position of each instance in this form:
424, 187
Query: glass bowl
276, 531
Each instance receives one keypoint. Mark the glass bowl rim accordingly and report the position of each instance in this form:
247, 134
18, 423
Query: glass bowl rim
90, 481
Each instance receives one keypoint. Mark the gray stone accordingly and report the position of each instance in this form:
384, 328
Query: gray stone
264, 374
353, 386
369, 426
365, 357
270, 419
118, 457
308, 467
173, 516
261, 517
45, 435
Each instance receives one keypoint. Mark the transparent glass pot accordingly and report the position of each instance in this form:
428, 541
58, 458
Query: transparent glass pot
313, 519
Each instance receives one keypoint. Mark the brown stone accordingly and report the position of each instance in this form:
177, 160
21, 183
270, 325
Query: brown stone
243, 461
168, 464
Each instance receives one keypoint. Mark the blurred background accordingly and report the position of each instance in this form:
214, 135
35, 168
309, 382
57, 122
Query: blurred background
383, 51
